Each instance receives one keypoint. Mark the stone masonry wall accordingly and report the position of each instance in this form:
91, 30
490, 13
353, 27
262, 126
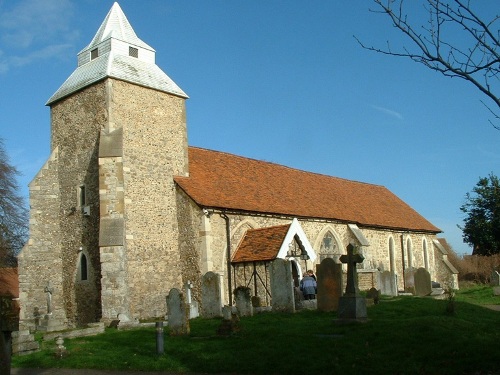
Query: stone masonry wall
76, 124
154, 150
377, 255
40, 259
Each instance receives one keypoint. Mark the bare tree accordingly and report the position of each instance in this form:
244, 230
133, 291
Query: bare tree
13, 213
455, 41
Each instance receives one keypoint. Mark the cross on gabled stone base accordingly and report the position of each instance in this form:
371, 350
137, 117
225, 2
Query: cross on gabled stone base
352, 306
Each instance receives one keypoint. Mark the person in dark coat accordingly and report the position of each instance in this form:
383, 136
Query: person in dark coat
308, 286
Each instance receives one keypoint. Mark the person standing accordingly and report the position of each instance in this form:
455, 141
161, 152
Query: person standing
308, 286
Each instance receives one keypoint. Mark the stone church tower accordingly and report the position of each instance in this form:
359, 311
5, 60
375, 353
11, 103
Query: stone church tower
103, 219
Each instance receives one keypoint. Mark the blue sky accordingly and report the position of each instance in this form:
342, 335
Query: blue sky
281, 81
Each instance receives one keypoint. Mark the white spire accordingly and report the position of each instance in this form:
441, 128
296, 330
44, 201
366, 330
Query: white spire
116, 26
117, 52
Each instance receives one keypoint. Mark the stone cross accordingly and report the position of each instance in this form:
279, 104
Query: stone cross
351, 260
49, 289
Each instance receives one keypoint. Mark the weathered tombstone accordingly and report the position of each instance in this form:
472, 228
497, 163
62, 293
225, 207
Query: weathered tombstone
230, 322
352, 306
211, 302
495, 278
410, 280
423, 283
329, 280
373, 294
387, 284
192, 304
9, 322
282, 286
50, 322
256, 301
243, 301
178, 315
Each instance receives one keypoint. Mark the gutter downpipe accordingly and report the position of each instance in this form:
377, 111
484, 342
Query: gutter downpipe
228, 256
403, 260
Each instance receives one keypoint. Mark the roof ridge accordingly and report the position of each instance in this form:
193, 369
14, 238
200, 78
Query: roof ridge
270, 227
286, 166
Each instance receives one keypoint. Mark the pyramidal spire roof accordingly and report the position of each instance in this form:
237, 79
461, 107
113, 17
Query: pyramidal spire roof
116, 26
117, 52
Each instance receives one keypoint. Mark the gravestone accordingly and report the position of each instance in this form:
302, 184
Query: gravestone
352, 306
9, 322
211, 301
192, 304
423, 283
178, 314
387, 284
282, 286
410, 280
329, 281
374, 295
49, 322
230, 322
243, 301
495, 278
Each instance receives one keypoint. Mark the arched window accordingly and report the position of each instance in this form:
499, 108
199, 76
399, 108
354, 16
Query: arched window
392, 261
83, 267
329, 248
409, 252
426, 254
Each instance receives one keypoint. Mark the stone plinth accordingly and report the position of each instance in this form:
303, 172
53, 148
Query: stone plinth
352, 308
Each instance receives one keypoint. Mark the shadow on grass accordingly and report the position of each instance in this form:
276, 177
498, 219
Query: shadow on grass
402, 336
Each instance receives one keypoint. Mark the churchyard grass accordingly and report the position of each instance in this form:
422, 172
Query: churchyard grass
404, 335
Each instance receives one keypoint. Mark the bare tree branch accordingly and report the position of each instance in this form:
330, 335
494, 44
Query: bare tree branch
474, 56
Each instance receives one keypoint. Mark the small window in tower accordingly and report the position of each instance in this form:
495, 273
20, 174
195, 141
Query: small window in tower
132, 51
83, 268
94, 54
82, 196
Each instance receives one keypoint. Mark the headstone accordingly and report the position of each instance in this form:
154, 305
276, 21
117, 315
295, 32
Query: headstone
496, 291
373, 294
298, 297
352, 306
410, 280
495, 278
178, 315
387, 284
50, 322
230, 322
243, 301
282, 286
423, 283
192, 304
211, 302
329, 280
256, 301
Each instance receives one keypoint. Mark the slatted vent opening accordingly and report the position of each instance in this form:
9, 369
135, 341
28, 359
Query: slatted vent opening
134, 52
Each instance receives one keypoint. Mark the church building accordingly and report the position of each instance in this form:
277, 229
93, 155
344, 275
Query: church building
124, 209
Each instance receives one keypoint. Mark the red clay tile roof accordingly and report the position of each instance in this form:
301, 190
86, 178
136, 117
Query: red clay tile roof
225, 181
9, 282
260, 244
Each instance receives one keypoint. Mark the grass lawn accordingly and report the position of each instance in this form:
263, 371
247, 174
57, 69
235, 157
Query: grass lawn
404, 335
